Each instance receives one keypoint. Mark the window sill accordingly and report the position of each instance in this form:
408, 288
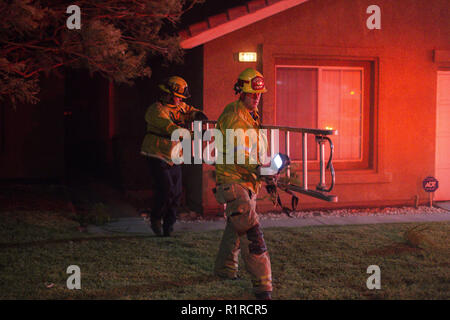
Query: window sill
352, 177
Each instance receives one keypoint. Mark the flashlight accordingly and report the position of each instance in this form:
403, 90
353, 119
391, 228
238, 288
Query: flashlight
279, 162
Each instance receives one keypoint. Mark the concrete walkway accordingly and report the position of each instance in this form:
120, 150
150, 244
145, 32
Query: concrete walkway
126, 219
443, 205
139, 226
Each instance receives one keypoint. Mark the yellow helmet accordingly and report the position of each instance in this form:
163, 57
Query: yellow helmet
176, 86
250, 81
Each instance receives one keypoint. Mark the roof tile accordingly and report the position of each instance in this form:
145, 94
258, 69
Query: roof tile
256, 5
237, 12
198, 27
270, 2
217, 19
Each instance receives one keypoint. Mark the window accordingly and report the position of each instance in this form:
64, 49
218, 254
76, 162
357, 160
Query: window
327, 94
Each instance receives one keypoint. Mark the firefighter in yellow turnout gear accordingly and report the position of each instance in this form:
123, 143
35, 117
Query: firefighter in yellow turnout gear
165, 116
162, 119
238, 186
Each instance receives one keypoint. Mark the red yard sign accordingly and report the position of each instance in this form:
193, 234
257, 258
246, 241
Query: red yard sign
430, 184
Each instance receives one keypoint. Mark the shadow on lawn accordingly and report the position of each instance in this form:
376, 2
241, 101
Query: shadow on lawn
77, 240
416, 240
394, 249
177, 287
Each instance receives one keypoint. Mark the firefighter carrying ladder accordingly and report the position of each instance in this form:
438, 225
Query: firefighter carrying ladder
321, 139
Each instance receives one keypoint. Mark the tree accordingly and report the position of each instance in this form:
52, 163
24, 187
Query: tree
115, 39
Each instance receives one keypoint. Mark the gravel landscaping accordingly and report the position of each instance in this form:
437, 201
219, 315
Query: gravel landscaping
387, 211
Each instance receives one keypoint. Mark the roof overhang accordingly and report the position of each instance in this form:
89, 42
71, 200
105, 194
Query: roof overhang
238, 23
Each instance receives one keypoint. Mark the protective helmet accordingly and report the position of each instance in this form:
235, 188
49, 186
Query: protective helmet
250, 81
176, 86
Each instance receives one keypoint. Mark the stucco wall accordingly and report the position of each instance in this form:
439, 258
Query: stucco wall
405, 84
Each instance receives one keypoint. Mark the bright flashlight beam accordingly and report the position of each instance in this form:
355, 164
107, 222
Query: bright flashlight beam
278, 161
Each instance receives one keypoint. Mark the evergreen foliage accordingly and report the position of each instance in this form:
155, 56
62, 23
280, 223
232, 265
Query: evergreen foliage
116, 39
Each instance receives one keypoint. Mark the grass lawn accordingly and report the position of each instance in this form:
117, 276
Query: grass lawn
307, 263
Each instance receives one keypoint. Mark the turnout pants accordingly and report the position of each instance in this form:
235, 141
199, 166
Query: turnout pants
168, 190
242, 234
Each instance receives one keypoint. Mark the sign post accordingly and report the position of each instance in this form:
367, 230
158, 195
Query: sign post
430, 185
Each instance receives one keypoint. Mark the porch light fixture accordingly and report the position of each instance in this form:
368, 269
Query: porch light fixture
247, 56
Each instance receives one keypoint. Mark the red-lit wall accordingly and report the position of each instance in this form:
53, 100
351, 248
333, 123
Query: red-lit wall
404, 118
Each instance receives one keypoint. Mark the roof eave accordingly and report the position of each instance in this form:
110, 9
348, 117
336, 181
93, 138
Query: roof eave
238, 23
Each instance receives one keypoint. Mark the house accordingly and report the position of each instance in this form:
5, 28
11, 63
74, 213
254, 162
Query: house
386, 90
378, 72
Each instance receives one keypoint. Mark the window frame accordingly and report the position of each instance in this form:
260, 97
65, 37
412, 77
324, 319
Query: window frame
367, 100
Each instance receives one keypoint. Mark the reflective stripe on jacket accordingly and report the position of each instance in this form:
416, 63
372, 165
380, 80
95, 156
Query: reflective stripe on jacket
162, 120
236, 116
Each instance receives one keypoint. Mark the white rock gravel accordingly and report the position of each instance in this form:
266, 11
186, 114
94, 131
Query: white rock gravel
276, 215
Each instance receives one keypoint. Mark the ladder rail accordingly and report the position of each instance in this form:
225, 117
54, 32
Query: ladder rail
321, 138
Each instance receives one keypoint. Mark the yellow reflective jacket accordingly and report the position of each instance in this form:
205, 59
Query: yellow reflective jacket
162, 120
236, 116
